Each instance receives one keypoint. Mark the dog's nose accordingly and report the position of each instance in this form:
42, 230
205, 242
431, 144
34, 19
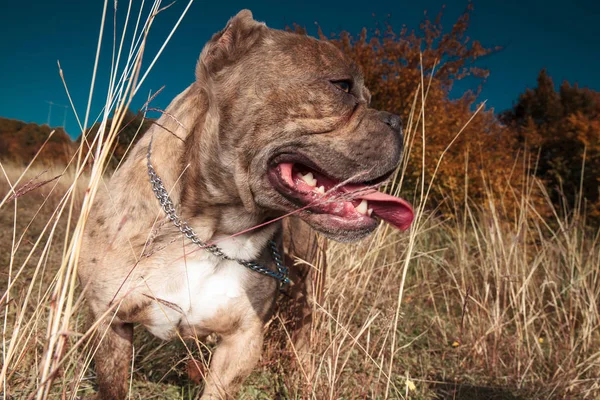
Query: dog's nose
392, 120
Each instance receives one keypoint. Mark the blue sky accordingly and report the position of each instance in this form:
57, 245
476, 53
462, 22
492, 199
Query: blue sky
561, 36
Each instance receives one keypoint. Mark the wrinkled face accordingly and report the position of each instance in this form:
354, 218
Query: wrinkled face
295, 115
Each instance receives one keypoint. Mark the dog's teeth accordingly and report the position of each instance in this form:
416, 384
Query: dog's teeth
309, 179
362, 207
321, 189
370, 212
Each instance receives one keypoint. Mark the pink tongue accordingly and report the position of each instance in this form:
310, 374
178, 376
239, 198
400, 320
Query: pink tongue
394, 210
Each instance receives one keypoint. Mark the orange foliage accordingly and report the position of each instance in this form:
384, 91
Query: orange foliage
564, 128
20, 142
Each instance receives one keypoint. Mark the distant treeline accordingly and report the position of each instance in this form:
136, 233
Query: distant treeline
20, 141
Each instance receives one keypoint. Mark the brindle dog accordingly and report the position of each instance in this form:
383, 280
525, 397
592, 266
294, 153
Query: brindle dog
275, 122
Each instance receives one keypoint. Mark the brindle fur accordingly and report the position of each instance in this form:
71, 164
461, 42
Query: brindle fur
258, 92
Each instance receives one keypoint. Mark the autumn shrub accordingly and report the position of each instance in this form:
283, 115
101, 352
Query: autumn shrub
563, 127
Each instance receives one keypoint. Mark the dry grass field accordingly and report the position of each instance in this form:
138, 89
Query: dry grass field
494, 300
474, 306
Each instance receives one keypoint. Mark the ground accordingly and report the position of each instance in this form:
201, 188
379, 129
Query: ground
472, 307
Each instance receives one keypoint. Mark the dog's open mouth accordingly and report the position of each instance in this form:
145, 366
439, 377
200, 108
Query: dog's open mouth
355, 204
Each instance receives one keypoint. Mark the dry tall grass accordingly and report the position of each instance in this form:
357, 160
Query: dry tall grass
477, 304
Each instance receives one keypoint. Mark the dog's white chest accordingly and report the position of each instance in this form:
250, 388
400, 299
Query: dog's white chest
192, 294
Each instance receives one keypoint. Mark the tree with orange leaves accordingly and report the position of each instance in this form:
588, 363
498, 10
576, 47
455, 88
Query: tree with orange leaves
564, 128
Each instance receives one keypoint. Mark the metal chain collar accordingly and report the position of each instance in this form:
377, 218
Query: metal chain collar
167, 205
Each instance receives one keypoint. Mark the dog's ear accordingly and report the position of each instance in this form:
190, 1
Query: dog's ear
229, 45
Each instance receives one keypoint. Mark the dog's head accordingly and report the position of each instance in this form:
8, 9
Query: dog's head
288, 127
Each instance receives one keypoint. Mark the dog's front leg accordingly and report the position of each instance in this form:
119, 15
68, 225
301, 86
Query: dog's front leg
233, 360
113, 359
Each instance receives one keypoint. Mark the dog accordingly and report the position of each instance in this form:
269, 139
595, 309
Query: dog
186, 237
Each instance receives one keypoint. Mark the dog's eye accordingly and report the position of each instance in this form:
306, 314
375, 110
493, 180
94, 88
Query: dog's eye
344, 86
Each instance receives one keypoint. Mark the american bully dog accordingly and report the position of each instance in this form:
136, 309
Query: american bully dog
274, 123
